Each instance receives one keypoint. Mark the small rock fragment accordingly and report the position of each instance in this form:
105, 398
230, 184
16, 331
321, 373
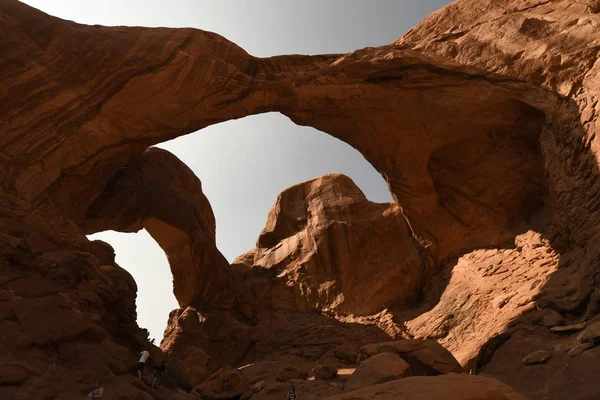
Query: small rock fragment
579, 349
324, 372
568, 328
552, 318
537, 357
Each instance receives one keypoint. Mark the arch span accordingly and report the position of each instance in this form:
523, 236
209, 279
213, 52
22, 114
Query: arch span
395, 105
159, 193
408, 113
78, 103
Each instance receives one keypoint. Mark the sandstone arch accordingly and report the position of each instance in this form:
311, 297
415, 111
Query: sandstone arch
149, 85
77, 103
158, 192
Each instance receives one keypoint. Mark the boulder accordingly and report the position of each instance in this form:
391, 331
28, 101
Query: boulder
591, 334
196, 366
347, 352
579, 349
324, 371
378, 369
445, 387
425, 357
219, 333
226, 383
552, 318
537, 357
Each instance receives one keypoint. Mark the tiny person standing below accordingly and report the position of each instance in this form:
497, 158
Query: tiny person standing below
143, 358
97, 393
159, 371
292, 393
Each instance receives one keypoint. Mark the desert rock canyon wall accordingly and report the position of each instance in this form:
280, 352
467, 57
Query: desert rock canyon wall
482, 119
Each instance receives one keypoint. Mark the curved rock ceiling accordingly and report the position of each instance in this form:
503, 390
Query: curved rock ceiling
137, 87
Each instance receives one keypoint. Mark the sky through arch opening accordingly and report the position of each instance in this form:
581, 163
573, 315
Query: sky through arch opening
143, 258
258, 157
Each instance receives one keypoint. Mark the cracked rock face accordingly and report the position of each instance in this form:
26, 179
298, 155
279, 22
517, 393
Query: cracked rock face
482, 119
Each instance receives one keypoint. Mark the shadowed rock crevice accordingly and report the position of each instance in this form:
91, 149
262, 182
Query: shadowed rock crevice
496, 180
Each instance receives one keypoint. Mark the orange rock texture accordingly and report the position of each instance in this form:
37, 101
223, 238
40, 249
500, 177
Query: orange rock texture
482, 119
323, 242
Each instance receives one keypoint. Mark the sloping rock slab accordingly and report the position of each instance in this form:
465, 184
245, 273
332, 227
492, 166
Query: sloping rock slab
444, 387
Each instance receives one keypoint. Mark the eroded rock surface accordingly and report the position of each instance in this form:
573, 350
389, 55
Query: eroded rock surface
327, 245
483, 120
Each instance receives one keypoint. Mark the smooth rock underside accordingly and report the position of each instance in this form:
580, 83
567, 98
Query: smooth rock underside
483, 121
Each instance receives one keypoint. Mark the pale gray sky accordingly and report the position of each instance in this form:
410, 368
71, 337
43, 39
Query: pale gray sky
244, 164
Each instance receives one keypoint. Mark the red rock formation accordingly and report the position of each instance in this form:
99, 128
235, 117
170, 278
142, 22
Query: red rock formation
479, 295
323, 249
225, 336
138, 70
550, 45
156, 191
67, 318
482, 119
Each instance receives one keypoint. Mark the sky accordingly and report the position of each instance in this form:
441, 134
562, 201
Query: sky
244, 164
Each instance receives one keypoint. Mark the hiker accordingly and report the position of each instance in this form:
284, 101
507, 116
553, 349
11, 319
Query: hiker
143, 357
292, 393
159, 371
97, 392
